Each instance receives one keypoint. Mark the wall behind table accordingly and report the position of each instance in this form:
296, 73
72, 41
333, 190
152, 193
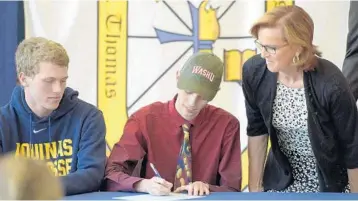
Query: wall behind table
74, 24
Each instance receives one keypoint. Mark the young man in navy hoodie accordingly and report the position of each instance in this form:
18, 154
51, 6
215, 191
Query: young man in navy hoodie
46, 120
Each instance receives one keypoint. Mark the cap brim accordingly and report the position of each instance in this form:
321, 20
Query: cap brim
205, 92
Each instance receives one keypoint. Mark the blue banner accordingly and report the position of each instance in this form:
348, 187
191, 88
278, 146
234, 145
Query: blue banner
12, 31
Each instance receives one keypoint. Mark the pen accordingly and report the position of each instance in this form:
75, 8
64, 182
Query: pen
155, 170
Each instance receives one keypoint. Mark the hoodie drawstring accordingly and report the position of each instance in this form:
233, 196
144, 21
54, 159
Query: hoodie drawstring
49, 129
31, 133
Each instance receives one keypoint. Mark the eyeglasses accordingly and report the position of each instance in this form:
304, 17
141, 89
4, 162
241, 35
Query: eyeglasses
268, 49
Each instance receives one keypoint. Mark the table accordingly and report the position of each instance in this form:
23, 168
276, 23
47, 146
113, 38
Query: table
230, 196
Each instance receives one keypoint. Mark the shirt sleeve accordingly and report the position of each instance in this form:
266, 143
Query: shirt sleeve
255, 123
124, 158
230, 165
345, 117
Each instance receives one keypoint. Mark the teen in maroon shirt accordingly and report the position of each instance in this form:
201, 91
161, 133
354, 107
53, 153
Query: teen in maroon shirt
154, 134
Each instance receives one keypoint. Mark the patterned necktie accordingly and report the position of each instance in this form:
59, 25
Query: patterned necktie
183, 174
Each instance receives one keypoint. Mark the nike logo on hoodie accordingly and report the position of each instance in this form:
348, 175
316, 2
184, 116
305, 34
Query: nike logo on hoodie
37, 131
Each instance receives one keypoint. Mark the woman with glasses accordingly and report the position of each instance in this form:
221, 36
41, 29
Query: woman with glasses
302, 103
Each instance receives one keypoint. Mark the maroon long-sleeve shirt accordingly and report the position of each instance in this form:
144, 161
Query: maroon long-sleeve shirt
155, 131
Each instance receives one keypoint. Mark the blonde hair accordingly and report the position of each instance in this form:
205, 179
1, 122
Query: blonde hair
27, 179
297, 27
32, 51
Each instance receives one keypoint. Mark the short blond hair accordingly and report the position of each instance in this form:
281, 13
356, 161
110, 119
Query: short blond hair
34, 50
297, 27
27, 179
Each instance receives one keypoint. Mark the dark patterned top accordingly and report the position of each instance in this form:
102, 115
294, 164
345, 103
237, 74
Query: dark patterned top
290, 121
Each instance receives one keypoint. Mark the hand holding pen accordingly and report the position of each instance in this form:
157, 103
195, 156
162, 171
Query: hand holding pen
156, 173
154, 186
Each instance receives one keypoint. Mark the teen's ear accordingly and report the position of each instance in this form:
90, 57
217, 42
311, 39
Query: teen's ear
23, 79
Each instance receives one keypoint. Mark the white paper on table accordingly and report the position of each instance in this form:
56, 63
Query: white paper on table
171, 196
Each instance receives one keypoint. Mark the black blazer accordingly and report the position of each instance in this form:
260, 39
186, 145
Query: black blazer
332, 123
350, 64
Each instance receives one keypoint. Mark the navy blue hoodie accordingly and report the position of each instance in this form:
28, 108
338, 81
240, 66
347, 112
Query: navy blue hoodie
71, 139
